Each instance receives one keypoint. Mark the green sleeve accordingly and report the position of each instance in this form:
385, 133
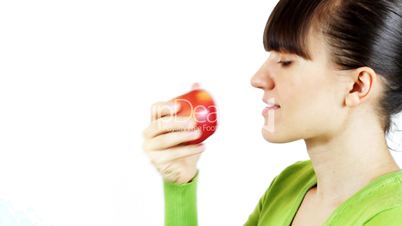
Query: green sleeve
389, 217
181, 203
255, 215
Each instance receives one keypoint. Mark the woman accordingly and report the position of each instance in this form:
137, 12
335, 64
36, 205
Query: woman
335, 71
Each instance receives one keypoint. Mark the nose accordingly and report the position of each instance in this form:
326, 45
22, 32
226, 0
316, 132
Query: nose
262, 79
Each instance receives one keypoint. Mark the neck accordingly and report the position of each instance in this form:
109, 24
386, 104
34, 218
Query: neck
345, 163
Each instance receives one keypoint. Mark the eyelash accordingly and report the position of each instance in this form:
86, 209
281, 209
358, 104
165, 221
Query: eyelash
285, 63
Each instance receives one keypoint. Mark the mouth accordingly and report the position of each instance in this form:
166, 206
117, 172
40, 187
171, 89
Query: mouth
270, 107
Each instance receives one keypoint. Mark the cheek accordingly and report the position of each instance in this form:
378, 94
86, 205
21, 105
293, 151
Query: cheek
295, 88
304, 91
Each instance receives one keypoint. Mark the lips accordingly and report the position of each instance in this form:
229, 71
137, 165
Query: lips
270, 107
270, 102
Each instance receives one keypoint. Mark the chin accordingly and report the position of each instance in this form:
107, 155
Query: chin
273, 136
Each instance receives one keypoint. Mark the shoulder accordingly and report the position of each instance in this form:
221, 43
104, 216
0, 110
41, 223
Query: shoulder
388, 217
378, 203
290, 180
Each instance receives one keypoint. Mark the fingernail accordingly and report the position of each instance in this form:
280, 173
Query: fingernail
175, 106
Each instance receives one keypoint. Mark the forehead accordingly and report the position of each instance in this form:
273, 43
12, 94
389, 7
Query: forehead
315, 43
317, 46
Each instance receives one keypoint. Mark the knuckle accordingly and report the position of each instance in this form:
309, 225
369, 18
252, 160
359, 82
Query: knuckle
154, 110
151, 160
162, 141
155, 105
146, 146
155, 162
148, 132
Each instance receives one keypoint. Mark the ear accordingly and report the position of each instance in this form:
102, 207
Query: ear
361, 87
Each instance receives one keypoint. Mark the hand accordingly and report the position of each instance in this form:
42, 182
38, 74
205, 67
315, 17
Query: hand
162, 143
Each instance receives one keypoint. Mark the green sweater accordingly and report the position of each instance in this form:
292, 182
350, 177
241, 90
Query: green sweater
379, 203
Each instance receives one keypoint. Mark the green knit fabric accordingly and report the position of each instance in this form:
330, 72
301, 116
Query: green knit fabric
181, 203
379, 203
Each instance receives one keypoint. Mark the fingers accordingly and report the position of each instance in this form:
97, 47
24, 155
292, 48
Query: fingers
159, 158
165, 138
168, 124
161, 109
171, 139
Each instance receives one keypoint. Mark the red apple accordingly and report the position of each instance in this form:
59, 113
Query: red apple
199, 105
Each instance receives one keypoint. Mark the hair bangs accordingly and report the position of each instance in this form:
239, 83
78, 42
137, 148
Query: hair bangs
288, 26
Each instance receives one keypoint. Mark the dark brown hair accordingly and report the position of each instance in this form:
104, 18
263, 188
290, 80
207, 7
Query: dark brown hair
358, 32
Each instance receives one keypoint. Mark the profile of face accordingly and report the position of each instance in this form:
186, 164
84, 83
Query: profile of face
314, 97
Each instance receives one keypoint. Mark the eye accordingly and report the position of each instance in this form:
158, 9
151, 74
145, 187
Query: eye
285, 63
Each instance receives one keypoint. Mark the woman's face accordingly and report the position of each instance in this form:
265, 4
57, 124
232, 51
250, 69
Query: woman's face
310, 94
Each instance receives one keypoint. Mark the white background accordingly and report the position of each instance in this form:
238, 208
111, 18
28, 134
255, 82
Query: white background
77, 79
